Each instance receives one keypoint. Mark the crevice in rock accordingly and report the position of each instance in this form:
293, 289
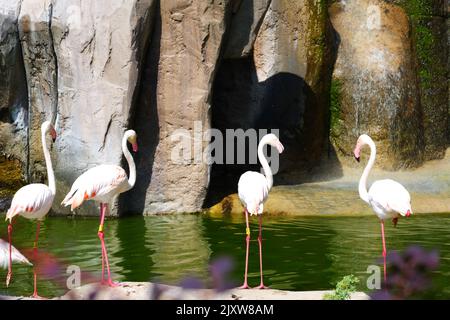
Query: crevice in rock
143, 117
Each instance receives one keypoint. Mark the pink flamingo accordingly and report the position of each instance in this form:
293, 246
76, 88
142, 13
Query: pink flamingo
253, 189
33, 201
102, 183
388, 198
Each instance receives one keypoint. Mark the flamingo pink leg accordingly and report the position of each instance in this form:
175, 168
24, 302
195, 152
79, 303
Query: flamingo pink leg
104, 252
247, 240
35, 293
384, 249
261, 286
8, 277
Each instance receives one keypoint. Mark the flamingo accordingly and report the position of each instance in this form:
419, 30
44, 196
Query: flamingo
101, 184
253, 189
33, 201
388, 198
16, 256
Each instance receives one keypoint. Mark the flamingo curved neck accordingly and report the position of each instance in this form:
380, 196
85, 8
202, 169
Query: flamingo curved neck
362, 188
48, 163
266, 168
131, 165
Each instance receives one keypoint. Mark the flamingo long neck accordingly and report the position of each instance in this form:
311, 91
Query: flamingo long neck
48, 163
266, 168
131, 165
363, 181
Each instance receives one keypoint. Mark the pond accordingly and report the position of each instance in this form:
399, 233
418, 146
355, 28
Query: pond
300, 253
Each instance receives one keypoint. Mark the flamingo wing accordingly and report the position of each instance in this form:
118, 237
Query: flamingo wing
253, 191
391, 196
15, 255
31, 199
95, 183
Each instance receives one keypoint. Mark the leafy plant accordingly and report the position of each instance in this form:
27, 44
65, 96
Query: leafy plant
343, 288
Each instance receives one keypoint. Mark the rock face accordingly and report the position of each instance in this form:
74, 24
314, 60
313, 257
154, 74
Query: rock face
315, 70
13, 91
99, 47
427, 18
186, 46
389, 80
40, 65
374, 82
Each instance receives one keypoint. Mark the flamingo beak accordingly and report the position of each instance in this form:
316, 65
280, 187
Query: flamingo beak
53, 134
280, 147
357, 158
135, 147
408, 213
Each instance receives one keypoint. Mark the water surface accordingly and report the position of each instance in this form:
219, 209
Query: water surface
300, 253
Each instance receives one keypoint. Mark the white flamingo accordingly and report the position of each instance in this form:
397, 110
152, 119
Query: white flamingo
33, 201
388, 198
102, 183
16, 256
253, 189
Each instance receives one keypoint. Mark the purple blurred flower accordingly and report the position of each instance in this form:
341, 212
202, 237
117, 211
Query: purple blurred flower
408, 273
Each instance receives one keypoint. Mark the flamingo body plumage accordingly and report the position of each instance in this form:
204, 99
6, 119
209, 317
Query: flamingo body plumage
101, 183
32, 201
253, 191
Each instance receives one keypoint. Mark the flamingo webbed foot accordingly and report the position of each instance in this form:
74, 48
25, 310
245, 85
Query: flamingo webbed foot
244, 286
262, 286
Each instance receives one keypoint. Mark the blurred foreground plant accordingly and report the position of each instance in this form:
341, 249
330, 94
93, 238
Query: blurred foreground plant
343, 288
408, 274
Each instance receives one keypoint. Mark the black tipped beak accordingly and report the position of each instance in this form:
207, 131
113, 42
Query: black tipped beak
53, 140
357, 159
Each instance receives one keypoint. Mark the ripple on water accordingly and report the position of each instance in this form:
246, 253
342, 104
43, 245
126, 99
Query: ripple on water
299, 253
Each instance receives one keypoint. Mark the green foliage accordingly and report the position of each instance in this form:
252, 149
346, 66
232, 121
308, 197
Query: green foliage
419, 11
343, 288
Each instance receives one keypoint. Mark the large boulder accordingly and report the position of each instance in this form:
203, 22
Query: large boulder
99, 47
375, 88
176, 95
13, 90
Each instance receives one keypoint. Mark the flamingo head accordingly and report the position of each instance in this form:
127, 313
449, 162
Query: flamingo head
48, 127
274, 142
362, 140
132, 139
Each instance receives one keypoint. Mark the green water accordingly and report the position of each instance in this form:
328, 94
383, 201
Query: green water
300, 253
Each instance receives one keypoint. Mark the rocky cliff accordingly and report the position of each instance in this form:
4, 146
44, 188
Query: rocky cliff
322, 72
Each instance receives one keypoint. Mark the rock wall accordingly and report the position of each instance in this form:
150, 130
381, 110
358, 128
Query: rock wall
390, 80
316, 70
186, 46
13, 89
